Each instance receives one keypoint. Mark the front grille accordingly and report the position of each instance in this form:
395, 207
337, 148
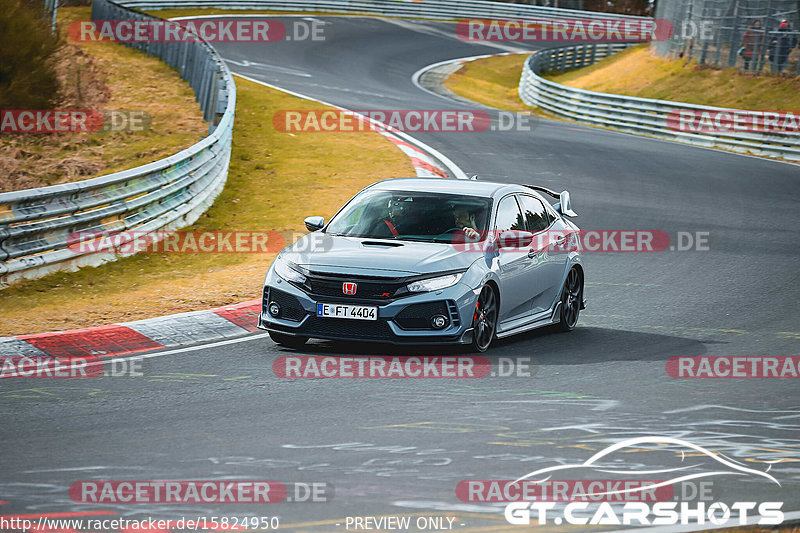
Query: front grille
355, 329
290, 306
369, 288
418, 316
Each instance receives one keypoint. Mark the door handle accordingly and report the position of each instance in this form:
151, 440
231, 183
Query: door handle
533, 253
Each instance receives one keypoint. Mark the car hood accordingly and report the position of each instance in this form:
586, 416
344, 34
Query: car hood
332, 253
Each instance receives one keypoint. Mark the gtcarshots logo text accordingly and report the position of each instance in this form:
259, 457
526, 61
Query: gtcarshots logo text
642, 513
596, 507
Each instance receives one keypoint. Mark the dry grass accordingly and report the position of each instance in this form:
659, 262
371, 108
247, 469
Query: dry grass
275, 180
639, 72
492, 81
104, 76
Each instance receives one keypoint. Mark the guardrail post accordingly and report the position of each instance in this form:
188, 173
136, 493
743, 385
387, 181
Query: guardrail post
736, 44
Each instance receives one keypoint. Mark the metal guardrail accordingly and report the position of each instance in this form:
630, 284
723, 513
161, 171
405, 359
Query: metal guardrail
36, 224
436, 9
632, 114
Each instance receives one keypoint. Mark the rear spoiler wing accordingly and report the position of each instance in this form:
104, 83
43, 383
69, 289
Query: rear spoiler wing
564, 206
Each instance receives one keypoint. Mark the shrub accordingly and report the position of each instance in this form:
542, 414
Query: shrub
27, 49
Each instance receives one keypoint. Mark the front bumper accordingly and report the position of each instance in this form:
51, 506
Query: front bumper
400, 321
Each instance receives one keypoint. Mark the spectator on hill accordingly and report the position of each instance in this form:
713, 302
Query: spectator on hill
781, 45
751, 44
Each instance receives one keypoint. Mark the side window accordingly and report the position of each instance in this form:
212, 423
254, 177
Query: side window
509, 216
536, 216
551, 214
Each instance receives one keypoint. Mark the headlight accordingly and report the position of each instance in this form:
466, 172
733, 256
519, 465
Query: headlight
284, 269
434, 284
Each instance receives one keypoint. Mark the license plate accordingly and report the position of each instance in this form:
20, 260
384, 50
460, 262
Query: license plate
351, 312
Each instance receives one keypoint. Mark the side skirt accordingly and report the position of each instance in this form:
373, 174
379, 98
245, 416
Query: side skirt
539, 320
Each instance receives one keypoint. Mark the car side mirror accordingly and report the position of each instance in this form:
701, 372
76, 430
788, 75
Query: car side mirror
515, 239
314, 223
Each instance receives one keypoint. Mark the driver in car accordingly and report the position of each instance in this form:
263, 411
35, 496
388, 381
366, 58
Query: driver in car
466, 221
394, 214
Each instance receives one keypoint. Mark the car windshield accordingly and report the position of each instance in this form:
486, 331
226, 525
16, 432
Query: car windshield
412, 216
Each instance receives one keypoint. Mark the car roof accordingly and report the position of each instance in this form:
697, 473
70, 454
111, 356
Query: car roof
486, 189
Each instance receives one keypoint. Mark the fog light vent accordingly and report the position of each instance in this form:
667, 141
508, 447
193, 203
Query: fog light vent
438, 321
274, 309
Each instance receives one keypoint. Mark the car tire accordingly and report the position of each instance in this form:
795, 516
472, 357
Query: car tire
571, 298
289, 341
484, 319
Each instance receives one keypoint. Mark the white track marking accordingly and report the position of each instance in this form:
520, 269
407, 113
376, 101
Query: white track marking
172, 352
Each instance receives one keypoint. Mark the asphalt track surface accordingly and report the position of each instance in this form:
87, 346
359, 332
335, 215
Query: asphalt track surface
401, 446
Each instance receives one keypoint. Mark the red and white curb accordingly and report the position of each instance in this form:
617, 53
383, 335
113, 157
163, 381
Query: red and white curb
197, 326
138, 336
425, 166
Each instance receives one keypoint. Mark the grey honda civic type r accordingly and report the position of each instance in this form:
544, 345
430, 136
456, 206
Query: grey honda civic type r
427, 261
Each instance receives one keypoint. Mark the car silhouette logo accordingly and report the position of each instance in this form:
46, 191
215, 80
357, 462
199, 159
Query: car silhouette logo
348, 287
